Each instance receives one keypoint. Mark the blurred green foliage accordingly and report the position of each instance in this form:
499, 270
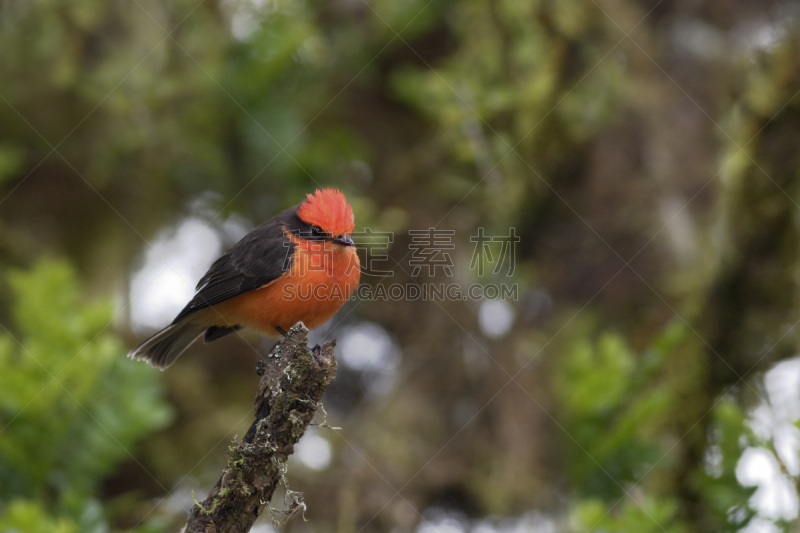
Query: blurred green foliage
611, 407
617, 408
71, 404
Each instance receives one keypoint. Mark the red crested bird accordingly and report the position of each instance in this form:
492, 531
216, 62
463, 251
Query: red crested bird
300, 265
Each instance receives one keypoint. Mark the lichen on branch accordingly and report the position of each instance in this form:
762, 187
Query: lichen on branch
293, 379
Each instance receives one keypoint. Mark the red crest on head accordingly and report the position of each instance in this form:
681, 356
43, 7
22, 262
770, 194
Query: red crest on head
328, 209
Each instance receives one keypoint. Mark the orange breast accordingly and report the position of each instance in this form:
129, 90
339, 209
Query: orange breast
322, 278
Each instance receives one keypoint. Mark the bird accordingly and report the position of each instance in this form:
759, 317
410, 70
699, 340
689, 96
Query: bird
299, 266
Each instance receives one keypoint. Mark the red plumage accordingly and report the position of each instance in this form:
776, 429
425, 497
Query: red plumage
329, 210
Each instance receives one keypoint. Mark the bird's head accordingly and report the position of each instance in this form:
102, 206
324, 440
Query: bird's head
329, 216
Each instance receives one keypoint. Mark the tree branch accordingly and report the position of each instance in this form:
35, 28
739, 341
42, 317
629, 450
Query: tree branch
292, 383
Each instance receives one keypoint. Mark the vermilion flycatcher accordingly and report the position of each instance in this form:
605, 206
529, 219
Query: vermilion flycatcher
300, 265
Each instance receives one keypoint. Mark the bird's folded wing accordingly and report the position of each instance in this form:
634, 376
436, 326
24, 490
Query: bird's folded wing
259, 258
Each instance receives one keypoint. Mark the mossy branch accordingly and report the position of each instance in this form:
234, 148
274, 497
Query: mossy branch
293, 380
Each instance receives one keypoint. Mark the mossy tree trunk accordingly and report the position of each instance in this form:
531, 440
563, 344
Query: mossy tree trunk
293, 380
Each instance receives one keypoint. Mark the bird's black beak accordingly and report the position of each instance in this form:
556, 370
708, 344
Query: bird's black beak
343, 239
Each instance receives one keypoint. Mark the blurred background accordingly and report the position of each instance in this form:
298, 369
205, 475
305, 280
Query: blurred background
645, 376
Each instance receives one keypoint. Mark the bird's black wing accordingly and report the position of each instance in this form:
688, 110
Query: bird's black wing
258, 258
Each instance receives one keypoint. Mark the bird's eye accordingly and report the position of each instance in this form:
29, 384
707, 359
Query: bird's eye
316, 231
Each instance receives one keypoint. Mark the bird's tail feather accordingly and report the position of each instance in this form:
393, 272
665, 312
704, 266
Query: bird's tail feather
164, 347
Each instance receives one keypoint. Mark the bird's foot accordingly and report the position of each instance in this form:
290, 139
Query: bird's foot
316, 351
